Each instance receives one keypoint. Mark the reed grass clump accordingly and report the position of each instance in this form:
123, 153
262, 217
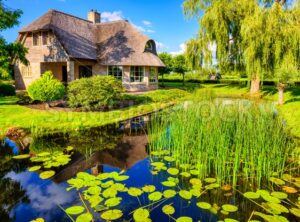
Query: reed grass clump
225, 139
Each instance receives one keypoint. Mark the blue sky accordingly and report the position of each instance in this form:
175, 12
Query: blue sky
162, 20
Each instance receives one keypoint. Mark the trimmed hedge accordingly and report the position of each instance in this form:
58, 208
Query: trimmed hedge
94, 92
225, 81
46, 88
7, 90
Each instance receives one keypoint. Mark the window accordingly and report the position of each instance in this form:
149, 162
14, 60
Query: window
85, 71
137, 74
45, 38
26, 71
35, 38
152, 74
116, 71
150, 46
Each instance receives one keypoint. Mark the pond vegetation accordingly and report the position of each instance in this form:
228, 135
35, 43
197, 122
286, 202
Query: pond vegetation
209, 160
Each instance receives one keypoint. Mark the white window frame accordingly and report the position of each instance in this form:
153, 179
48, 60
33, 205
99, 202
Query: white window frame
140, 79
153, 80
117, 77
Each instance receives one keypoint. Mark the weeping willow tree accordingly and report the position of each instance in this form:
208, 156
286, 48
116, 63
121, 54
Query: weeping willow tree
271, 41
224, 22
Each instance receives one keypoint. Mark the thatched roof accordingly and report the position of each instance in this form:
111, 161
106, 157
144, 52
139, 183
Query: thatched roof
110, 43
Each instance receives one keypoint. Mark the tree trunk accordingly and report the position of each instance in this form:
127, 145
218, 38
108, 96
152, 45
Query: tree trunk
281, 88
183, 79
255, 85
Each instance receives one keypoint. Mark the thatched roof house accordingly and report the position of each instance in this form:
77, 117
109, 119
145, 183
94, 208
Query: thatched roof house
73, 47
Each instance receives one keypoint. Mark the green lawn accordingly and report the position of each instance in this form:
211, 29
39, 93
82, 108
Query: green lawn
13, 115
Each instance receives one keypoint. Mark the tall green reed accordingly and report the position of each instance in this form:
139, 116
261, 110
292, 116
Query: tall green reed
226, 139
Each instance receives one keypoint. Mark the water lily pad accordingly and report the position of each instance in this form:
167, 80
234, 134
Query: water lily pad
277, 181
112, 215
109, 193
185, 174
195, 172
47, 174
149, 188
212, 186
173, 171
38, 220
169, 193
251, 195
155, 196
141, 215
185, 194
74, 210
195, 192
269, 198
289, 189
20, 157
135, 192
169, 159
121, 178
87, 217
95, 200
119, 187
168, 183
210, 180
279, 195
226, 187
158, 164
112, 202
34, 168
43, 154
224, 212
107, 184
195, 181
204, 205
278, 208
184, 219
168, 209
229, 208
173, 179
295, 211
230, 220
103, 176
95, 190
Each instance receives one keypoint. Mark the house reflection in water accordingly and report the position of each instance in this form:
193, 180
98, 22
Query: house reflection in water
129, 148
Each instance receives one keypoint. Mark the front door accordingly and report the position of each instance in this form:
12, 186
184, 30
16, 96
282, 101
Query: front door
64, 74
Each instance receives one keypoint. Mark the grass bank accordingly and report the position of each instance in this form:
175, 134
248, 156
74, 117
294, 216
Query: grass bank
43, 121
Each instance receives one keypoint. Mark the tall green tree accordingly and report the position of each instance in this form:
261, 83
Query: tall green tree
179, 66
271, 39
222, 23
167, 59
9, 52
194, 54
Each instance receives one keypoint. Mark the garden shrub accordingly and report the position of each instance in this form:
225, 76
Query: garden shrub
7, 90
94, 92
46, 88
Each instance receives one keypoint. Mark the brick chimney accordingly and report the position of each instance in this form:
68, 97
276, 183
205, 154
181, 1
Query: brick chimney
94, 16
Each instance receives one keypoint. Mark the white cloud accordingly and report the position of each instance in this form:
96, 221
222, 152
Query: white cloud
138, 27
182, 48
150, 31
111, 16
147, 23
160, 46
